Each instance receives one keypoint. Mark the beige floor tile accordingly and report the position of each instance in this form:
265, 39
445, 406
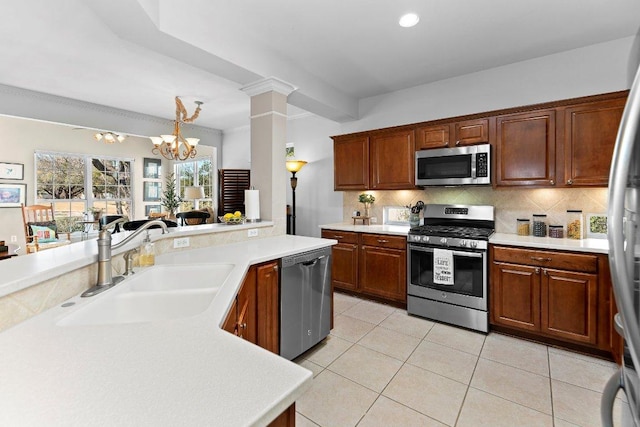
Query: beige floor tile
313, 367
327, 351
557, 422
302, 421
350, 328
335, 401
446, 361
482, 409
391, 343
585, 357
370, 311
343, 302
458, 338
431, 394
385, 413
522, 387
580, 371
366, 367
408, 325
578, 405
518, 353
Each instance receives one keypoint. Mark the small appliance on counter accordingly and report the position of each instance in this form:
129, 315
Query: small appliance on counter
448, 269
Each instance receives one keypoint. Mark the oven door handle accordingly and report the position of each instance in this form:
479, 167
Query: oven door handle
458, 253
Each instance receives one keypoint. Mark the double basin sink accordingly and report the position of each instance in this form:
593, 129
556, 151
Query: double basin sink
161, 292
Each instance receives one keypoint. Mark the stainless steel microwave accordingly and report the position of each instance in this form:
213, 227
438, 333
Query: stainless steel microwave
469, 165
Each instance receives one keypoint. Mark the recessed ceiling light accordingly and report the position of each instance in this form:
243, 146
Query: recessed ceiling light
408, 20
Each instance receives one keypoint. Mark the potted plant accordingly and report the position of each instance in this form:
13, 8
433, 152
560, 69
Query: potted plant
96, 212
170, 198
367, 200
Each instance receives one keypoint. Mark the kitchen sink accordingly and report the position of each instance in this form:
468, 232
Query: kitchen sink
163, 292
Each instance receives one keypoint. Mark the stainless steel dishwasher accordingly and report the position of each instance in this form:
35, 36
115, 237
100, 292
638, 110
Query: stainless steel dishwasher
305, 301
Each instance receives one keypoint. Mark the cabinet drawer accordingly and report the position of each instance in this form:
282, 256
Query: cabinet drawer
341, 236
384, 240
563, 261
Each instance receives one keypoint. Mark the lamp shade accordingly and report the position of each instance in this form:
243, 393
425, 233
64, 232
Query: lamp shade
295, 165
194, 192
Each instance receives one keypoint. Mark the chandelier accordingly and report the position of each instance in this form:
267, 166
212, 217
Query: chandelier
175, 146
109, 137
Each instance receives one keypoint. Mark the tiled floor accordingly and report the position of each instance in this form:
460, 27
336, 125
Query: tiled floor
381, 367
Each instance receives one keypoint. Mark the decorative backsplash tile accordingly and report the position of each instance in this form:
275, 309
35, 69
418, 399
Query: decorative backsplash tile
509, 203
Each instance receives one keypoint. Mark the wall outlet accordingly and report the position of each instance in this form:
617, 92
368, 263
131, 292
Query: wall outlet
181, 242
14, 239
252, 232
373, 220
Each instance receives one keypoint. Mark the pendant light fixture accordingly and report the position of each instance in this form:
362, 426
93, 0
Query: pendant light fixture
175, 146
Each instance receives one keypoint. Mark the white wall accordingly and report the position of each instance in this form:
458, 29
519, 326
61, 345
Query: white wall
20, 138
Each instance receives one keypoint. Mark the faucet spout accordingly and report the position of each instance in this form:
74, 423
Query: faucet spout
105, 279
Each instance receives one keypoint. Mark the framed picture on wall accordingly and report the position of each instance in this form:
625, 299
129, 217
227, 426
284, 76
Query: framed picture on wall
151, 191
152, 168
149, 209
12, 195
11, 171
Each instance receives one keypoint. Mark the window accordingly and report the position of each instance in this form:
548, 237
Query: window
75, 182
196, 172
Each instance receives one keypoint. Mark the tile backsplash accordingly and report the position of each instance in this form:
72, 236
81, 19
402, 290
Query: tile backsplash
509, 203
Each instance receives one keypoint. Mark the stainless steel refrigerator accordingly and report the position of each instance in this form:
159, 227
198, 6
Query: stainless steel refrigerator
624, 259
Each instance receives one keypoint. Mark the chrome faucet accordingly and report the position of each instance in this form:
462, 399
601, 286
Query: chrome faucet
105, 279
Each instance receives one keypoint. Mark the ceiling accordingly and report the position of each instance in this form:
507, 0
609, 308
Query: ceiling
138, 54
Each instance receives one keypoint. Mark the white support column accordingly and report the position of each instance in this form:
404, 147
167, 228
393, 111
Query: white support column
268, 143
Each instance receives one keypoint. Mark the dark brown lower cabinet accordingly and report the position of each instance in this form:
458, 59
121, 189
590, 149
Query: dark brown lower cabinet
372, 265
561, 296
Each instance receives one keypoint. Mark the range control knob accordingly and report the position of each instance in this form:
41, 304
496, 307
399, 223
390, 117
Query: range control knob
425, 239
474, 244
443, 241
463, 243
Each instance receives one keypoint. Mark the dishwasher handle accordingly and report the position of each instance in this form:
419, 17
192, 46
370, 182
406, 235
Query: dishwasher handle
312, 262
306, 258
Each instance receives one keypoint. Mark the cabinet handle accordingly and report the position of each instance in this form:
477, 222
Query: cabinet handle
457, 143
537, 270
552, 182
243, 326
545, 272
382, 241
338, 237
539, 258
569, 182
275, 268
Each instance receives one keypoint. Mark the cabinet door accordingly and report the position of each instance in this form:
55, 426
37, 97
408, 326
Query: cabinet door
268, 297
526, 149
351, 163
428, 137
230, 324
590, 135
515, 296
247, 326
392, 160
569, 305
344, 269
383, 272
471, 132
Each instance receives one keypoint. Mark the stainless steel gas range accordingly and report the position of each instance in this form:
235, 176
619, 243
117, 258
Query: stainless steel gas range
447, 265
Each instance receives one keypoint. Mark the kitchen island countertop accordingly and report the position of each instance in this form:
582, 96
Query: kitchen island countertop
184, 371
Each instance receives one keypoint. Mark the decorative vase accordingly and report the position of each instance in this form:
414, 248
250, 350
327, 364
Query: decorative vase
367, 208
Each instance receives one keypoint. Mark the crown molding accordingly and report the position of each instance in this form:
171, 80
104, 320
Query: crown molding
269, 84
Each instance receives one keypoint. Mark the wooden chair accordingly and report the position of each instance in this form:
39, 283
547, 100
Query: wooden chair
40, 229
193, 217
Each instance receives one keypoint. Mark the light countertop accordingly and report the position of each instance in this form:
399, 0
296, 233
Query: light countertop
184, 371
583, 245
399, 230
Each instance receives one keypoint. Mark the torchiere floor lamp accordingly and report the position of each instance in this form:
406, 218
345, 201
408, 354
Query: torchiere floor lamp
294, 166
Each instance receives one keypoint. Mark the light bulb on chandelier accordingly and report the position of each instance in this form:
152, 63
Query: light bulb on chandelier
109, 137
175, 146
